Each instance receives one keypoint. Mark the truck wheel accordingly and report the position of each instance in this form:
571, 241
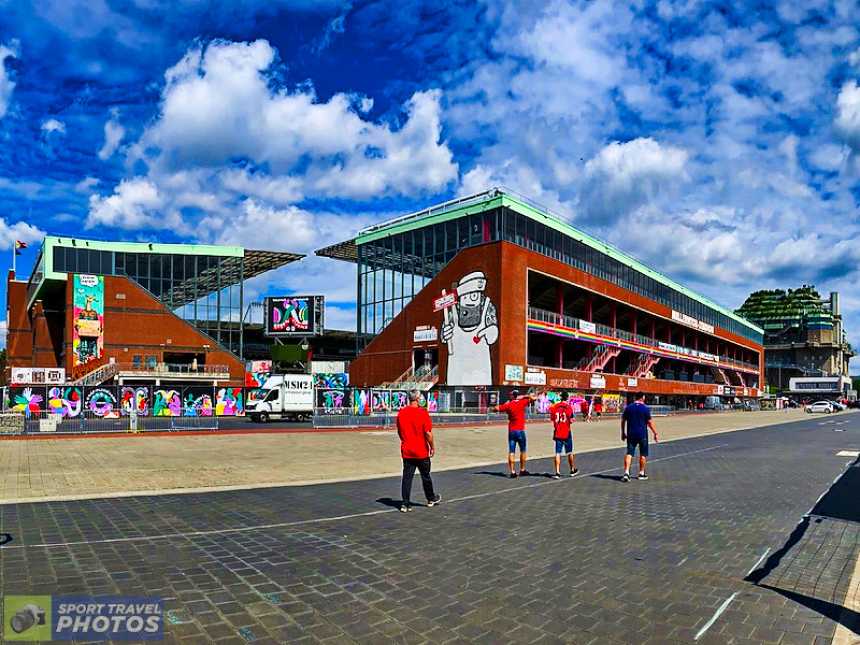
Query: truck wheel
263, 417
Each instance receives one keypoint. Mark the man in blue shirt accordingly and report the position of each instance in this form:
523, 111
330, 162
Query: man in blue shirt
635, 423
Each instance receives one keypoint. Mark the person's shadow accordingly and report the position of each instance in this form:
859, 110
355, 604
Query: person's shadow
387, 501
615, 478
494, 473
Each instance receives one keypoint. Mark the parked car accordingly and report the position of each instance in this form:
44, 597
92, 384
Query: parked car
838, 406
820, 406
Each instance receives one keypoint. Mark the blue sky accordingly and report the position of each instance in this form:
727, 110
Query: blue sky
716, 141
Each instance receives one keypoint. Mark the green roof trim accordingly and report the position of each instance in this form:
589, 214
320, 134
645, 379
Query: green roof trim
498, 197
145, 247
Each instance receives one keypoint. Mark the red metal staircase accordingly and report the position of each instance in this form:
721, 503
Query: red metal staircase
643, 365
598, 360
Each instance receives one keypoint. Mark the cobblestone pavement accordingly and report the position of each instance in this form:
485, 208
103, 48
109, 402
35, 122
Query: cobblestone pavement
582, 560
51, 469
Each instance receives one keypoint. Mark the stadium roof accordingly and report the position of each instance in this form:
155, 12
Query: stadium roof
237, 264
497, 197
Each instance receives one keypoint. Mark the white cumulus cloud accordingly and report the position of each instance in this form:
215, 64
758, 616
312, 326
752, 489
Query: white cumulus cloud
136, 203
848, 115
50, 126
6, 83
624, 176
114, 133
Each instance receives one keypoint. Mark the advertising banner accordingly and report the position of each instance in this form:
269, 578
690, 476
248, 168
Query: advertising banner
513, 372
88, 313
589, 327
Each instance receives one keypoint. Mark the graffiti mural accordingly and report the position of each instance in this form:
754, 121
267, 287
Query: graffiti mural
546, 400
332, 401
469, 328
101, 402
257, 372
166, 403
27, 400
380, 400
197, 402
65, 401
134, 398
612, 403
88, 315
361, 402
430, 400
331, 380
399, 399
229, 402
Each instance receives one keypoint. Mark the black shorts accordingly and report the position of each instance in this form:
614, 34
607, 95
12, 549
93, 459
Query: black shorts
642, 442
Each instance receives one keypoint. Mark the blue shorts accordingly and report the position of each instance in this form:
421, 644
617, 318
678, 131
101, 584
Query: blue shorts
516, 438
642, 442
564, 446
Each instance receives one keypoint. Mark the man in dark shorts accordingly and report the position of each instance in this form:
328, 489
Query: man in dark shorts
561, 415
415, 429
516, 408
635, 423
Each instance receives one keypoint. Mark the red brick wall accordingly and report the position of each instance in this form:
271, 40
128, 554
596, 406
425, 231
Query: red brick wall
137, 323
19, 332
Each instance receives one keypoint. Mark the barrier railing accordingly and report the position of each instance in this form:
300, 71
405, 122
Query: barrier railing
174, 369
48, 423
571, 322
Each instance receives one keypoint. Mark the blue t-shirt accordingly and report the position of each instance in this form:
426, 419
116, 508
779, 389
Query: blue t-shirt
637, 415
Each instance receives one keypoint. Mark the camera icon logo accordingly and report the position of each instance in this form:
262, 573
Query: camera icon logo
27, 618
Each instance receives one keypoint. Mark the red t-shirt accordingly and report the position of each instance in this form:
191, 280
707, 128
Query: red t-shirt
516, 411
412, 423
562, 416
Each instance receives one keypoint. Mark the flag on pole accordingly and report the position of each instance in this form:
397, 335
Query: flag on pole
18, 246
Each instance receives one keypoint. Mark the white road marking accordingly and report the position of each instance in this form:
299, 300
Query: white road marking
258, 527
848, 453
682, 561
713, 619
759, 561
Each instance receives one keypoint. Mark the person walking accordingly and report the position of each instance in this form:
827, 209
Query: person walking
415, 429
562, 415
635, 423
515, 407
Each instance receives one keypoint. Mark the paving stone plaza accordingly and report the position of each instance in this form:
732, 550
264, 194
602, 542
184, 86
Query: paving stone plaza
714, 548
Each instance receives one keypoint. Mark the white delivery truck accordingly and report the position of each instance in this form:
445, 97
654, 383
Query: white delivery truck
284, 396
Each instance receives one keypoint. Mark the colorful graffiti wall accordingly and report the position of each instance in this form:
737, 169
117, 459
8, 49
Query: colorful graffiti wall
331, 380
230, 402
198, 402
65, 401
101, 402
332, 401
28, 400
134, 398
88, 313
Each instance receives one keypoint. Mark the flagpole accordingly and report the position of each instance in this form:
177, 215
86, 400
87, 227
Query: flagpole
14, 255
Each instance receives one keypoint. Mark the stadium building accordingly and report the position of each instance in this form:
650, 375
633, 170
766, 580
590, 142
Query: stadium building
97, 318
492, 291
806, 348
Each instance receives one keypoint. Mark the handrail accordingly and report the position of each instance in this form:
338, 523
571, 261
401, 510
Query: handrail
570, 321
175, 368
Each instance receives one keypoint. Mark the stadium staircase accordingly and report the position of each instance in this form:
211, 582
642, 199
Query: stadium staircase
736, 378
412, 380
598, 360
720, 376
97, 376
643, 365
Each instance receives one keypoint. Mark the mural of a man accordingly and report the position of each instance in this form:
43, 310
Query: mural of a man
469, 328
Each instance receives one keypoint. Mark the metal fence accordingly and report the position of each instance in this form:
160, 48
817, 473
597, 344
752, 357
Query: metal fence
44, 423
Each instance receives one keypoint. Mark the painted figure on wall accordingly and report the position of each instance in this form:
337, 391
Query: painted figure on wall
28, 402
101, 402
88, 313
198, 406
470, 327
333, 401
134, 398
166, 403
65, 401
331, 380
229, 402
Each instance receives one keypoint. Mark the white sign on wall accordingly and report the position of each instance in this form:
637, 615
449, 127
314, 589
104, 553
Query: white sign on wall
589, 327
425, 335
39, 375
513, 372
22, 375
684, 319
535, 378
632, 382
597, 382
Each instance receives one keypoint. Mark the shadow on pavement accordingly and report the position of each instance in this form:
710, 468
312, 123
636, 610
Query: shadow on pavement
388, 501
837, 613
615, 478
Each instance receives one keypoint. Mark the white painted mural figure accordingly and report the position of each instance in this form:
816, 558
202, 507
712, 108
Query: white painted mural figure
470, 327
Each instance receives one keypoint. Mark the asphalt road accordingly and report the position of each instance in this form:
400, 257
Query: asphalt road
713, 545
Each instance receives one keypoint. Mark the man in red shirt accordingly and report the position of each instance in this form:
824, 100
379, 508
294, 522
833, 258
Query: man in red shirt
415, 429
561, 414
516, 408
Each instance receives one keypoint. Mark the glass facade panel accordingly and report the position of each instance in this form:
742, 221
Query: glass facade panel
416, 256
